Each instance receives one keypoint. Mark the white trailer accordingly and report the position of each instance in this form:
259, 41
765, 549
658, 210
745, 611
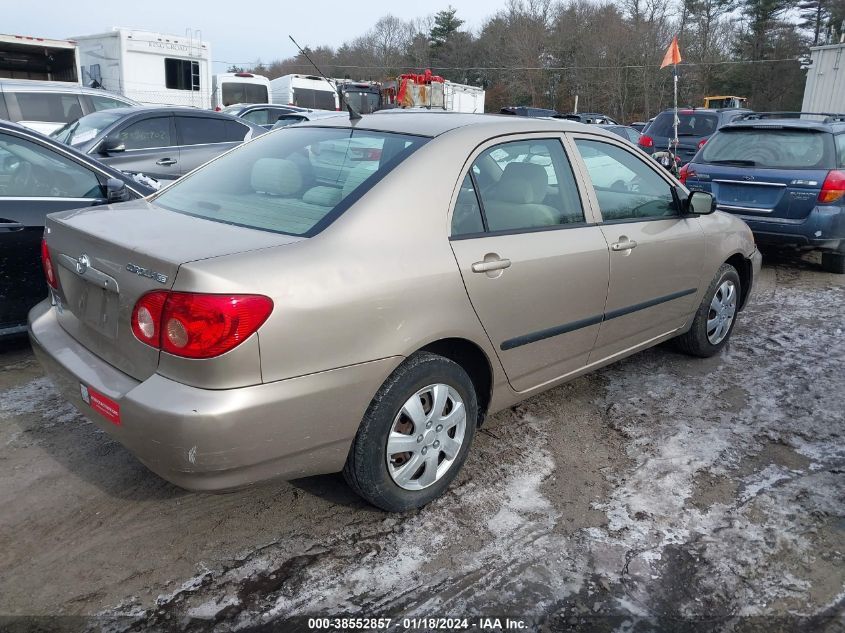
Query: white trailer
825, 87
38, 58
463, 98
154, 68
231, 88
305, 91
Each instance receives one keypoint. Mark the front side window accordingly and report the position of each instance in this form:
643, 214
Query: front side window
147, 134
527, 184
85, 129
49, 106
181, 74
626, 187
30, 170
294, 181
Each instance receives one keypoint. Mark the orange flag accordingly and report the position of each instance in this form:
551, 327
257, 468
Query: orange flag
673, 55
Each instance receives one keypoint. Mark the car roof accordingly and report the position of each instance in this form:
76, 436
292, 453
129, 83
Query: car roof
435, 123
127, 110
787, 122
30, 85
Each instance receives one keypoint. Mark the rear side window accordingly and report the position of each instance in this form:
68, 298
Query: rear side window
48, 106
466, 218
689, 124
147, 134
770, 148
201, 130
294, 181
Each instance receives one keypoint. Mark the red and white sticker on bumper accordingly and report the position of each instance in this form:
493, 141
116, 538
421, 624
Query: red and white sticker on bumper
106, 407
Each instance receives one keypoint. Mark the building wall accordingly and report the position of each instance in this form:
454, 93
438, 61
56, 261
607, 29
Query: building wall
825, 87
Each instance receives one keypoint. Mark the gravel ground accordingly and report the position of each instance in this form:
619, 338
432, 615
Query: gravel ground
661, 493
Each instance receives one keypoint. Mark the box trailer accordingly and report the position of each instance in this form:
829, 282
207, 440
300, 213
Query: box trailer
463, 98
153, 68
231, 88
38, 58
824, 90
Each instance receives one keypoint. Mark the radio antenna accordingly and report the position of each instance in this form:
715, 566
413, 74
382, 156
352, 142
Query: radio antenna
354, 115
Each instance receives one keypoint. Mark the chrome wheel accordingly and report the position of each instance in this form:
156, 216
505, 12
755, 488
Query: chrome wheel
722, 312
426, 437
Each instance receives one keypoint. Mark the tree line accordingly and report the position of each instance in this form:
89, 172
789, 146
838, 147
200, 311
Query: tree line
545, 52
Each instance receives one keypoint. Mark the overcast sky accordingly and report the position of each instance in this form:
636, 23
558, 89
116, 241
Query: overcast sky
238, 31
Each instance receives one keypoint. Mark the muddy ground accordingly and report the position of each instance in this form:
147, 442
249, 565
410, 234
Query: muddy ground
662, 493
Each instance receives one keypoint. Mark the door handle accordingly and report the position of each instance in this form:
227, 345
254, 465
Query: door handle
11, 226
165, 162
624, 244
487, 266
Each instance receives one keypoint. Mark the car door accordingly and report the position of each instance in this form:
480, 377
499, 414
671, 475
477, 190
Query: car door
35, 180
202, 138
656, 252
533, 261
149, 147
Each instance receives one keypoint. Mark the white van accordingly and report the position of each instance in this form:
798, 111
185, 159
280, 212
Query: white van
305, 91
231, 88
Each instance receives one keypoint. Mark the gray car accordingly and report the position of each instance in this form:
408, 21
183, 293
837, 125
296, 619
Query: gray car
162, 142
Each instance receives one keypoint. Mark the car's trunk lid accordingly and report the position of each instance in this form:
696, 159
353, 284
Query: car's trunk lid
107, 257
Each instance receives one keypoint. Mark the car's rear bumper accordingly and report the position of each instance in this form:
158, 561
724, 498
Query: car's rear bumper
823, 229
204, 439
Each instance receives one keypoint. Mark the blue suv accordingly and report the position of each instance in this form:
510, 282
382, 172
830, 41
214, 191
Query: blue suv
784, 174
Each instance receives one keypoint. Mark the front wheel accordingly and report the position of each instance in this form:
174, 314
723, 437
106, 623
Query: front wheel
415, 434
716, 315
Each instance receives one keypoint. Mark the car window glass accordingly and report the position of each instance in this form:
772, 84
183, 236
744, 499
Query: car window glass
466, 218
689, 124
633, 135
234, 132
48, 106
28, 169
527, 184
770, 148
626, 187
106, 103
288, 119
259, 116
147, 133
199, 130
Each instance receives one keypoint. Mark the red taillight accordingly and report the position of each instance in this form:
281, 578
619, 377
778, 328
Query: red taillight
645, 141
218, 109
47, 263
701, 143
196, 325
834, 187
685, 173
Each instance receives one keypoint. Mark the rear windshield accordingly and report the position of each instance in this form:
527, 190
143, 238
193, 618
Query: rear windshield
85, 129
316, 99
293, 181
239, 92
772, 148
689, 124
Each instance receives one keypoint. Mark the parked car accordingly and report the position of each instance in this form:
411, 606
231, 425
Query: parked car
262, 322
625, 131
640, 126
783, 175
589, 117
45, 106
39, 176
162, 142
263, 114
695, 126
528, 111
292, 118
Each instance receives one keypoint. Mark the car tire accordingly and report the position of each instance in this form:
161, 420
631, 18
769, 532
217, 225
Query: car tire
374, 469
834, 263
715, 318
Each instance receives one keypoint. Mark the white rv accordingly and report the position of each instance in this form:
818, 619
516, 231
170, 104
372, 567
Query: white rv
148, 67
231, 88
305, 91
463, 98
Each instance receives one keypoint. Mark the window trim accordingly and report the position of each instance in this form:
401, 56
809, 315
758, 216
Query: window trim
590, 218
644, 158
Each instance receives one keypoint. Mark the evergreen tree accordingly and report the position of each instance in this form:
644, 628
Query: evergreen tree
446, 24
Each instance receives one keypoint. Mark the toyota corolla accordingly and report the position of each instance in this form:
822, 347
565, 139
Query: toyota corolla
358, 295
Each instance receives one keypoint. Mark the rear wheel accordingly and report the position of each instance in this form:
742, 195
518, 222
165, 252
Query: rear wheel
716, 315
833, 262
415, 435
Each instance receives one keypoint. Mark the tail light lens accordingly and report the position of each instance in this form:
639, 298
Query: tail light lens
834, 187
47, 263
645, 141
685, 173
701, 143
194, 325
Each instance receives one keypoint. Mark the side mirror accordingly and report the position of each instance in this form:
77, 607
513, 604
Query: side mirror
116, 191
112, 145
701, 203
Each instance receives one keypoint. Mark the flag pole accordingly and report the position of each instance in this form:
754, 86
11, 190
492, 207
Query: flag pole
675, 122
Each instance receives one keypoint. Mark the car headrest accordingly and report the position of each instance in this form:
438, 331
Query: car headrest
523, 183
276, 176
